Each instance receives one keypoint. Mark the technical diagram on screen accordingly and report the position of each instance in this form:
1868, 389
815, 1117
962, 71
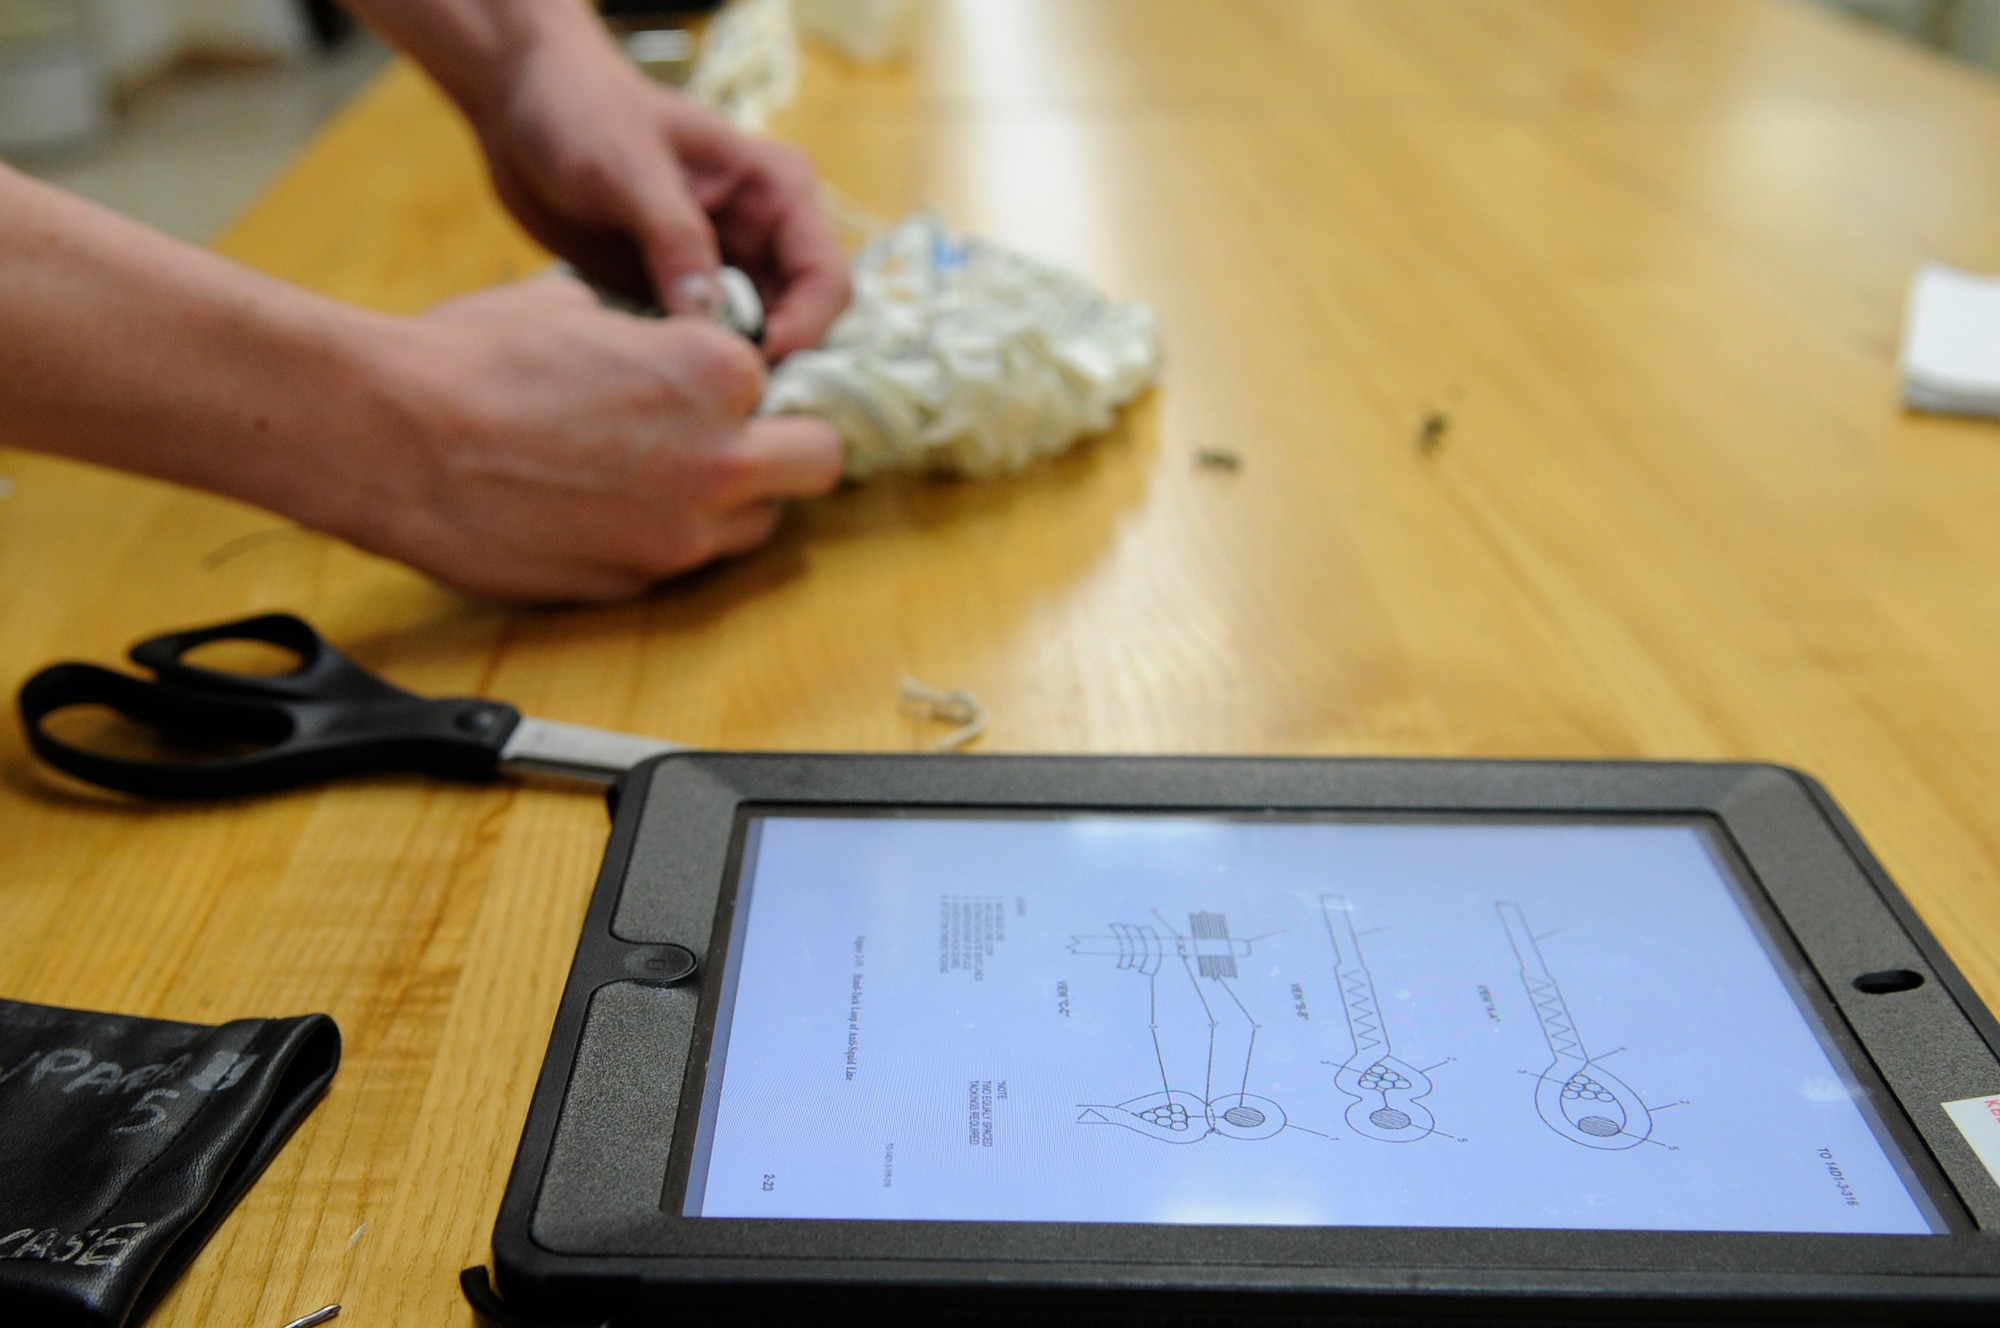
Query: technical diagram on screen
1388, 1093
1148, 980
1580, 1099
1201, 1033
928, 1015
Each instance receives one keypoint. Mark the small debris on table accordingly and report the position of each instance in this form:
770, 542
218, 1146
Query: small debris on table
1430, 433
1218, 458
317, 1317
230, 550
957, 706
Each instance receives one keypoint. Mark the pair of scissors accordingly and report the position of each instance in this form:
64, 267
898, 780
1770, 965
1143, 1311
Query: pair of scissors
327, 718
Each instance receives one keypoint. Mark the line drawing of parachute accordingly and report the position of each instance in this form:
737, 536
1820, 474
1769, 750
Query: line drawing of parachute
1215, 953
1578, 1098
1201, 1032
1142, 949
1175, 1117
1137, 949
1385, 1089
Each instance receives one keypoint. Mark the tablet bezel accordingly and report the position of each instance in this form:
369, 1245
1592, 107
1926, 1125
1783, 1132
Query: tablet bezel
573, 1222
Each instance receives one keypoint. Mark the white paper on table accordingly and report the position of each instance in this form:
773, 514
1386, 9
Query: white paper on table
1951, 342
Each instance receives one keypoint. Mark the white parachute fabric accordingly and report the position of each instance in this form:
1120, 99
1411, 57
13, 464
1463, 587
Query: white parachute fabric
749, 64
959, 356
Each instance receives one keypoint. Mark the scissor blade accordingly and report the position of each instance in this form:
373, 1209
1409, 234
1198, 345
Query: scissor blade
576, 751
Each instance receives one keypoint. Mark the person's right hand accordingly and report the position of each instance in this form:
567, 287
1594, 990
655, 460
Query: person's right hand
546, 449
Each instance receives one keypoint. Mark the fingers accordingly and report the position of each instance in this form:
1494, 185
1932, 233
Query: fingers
794, 457
782, 227
811, 272
771, 460
712, 364
702, 190
577, 454
675, 239
764, 199
747, 528
561, 290
809, 275
547, 295
813, 297
734, 534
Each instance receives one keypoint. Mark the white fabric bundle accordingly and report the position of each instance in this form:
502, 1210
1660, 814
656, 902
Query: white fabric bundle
956, 355
959, 356
749, 64
866, 31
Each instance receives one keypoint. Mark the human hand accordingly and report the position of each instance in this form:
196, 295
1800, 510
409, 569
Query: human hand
645, 191
550, 450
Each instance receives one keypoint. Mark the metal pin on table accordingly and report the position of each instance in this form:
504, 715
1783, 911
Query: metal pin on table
317, 1317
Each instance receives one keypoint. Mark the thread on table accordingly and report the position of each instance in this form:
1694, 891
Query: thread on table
957, 706
852, 216
242, 544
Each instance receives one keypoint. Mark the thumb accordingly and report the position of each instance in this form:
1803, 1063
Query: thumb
676, 241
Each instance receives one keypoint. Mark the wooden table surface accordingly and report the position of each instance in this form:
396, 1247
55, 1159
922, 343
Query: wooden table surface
1648, 256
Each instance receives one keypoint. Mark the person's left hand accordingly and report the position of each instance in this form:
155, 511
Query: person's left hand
643, 190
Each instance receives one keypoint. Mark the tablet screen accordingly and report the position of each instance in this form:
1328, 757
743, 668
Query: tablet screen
1161, 1018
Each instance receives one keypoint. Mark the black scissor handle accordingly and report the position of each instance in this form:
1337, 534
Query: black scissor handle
323, 673
328, 718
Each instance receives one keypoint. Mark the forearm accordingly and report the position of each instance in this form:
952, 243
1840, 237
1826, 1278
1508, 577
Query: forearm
125, 348
471, 47
521, 442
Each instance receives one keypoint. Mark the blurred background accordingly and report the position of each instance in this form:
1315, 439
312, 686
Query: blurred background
179, 111
1967, 29
174, 111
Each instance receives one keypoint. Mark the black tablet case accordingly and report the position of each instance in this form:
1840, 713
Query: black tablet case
583, 1230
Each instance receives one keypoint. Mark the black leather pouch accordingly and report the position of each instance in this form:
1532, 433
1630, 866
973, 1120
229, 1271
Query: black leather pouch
124, 1143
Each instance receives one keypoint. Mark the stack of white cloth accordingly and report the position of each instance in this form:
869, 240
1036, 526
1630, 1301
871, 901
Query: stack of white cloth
1951, 343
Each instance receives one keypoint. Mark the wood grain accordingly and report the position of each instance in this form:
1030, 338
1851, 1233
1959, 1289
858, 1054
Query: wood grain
1649, 257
